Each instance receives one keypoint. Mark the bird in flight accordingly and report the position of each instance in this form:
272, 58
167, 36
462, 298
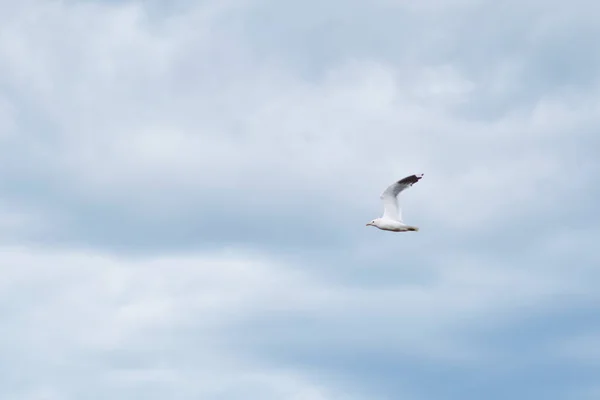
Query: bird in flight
391, 220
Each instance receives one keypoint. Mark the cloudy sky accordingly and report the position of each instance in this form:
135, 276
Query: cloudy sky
184, 187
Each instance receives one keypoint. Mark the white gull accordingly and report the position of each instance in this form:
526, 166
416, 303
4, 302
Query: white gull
392, 215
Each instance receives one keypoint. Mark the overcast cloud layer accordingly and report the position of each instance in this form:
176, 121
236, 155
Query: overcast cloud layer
184, 188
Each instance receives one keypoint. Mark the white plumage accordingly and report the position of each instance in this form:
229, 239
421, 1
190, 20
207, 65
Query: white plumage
391, 220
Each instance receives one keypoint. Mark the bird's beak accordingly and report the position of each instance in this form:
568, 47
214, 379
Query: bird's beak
368, 223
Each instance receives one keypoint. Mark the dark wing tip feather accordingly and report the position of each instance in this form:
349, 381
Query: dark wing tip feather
409, 180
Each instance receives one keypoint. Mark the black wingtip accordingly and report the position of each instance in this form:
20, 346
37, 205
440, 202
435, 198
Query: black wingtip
409, 180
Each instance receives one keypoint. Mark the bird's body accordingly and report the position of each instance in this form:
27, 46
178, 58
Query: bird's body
387, 224
392, 216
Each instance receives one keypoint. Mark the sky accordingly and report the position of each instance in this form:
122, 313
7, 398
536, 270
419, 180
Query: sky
184, 188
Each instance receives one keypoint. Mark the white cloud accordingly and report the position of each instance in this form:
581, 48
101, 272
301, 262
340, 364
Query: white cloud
160, 115
164, 114
194, 324
69, 312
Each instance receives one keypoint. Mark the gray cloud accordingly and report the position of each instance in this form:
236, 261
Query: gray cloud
138, 139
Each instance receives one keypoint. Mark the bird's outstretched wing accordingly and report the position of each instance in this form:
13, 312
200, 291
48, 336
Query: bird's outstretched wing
390, 196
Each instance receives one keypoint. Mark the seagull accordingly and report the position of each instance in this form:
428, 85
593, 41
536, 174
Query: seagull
391, 220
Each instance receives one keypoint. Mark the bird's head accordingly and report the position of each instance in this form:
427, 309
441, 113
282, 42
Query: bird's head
372, 223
